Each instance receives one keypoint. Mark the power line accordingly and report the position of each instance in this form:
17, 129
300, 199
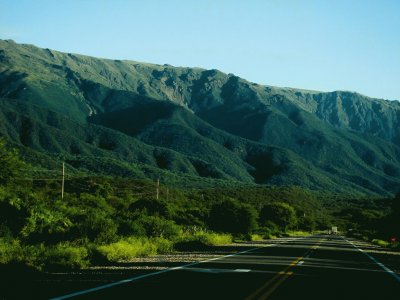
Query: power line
88, 183
37, 179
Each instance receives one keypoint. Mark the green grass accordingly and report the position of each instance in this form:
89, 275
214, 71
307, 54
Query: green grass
215, 239
67, 255
381, 243
205, 238
130, 248
10, 251
62, 255
297, 233
256, 237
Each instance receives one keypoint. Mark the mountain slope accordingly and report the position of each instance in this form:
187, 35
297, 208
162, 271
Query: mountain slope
329, 151
48, 132
205, 122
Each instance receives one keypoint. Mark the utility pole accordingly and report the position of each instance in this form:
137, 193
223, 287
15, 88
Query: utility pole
158, 188
63, 179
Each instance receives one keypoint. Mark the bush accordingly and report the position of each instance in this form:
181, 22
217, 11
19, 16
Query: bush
96, 226
66, 255
129, 248
131, 228
380, 243
35, 256
62, 255
44, 224
270, 230
159, 227
215, 239
10, 163
282, 214
233, 217
297, 233
201, 240
163, 245
10, 251
256, 237
152, 207
307, 223
13, 211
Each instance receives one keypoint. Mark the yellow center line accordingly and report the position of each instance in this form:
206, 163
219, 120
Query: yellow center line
272, 284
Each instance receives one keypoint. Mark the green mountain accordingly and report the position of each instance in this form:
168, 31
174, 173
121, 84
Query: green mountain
193, 123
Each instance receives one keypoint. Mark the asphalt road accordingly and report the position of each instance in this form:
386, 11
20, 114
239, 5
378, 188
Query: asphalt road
316, 267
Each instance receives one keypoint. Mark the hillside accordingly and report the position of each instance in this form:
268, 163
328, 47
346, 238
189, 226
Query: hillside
197, 122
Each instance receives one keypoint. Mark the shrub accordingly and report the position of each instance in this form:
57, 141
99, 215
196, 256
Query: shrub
201, 240
159, 227
13, 211
129, 248
62, 255
256, 237
45, 224
10, 250
380, 243
131, 228
270, 230
10, 163
97, 226
215, 239
307, 223
66, 255
35, 256
233, 217
282, 214
163, 245
297, 233
153, 207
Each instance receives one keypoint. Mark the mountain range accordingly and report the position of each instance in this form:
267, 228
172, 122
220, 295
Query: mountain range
127, 118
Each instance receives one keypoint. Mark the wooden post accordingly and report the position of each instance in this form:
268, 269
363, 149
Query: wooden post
158, 188
63, 179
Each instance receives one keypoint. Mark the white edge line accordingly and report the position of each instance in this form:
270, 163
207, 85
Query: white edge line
376, 261
152, 274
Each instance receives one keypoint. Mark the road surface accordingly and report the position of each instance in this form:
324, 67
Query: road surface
315, 267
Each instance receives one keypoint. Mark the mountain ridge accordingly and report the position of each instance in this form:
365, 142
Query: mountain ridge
326, 135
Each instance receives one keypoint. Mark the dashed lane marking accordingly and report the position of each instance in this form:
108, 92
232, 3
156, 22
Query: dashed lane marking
397, 277
271, 285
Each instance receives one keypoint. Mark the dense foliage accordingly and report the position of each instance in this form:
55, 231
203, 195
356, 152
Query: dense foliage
112, 219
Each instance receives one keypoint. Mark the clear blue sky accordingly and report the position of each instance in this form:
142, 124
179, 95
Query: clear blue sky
321, 45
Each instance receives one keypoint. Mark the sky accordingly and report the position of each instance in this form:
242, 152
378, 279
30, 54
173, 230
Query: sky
320, 45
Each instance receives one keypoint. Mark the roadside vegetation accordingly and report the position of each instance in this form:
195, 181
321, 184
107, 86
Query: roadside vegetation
105, 220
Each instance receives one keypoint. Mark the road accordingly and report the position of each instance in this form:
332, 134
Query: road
315, 267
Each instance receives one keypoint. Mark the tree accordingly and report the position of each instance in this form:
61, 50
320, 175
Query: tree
9, 162
395, 216
153, 207
307, 223
233, 217
282, 214
396, 205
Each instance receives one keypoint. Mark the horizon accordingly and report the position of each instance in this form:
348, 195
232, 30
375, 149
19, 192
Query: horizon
194, 67
312, 46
